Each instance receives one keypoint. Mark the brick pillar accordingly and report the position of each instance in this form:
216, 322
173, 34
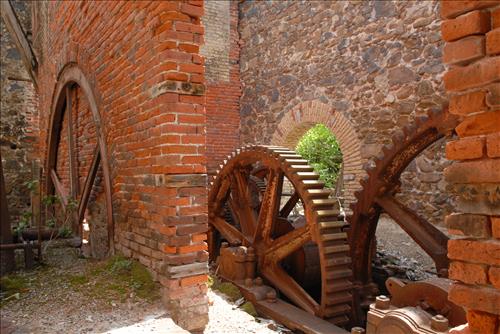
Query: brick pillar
182, 177
471, 30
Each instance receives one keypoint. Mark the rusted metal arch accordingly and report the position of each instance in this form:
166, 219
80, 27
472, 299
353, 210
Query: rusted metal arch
268, 232
377, 196
70, 77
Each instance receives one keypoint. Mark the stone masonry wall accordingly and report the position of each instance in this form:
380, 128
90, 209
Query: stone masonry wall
221, 52
378, 63
145, 73
18, 117
471, 30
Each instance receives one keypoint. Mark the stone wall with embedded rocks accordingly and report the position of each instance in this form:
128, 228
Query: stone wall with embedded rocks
18, 117
378, 63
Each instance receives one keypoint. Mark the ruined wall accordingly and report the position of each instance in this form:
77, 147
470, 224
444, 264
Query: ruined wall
18, 117
378, 63
221, 52
471, 30
142, 63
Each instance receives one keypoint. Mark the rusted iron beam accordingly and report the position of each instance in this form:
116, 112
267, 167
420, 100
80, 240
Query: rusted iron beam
73, 168
61, 192
19, 37
89, 183
432, 240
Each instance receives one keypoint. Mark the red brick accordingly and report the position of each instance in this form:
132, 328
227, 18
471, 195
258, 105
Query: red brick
170, 230
478, 171
193, 248
200, 237
476, 298
493, 145
475, 251
476, 22
495, 227
480, 124
191, 48
170, 249
481, 322
494, 276
195, 11
495, 18
194, 280
468, 103
493, 96
191, 68
468, 272
474, 75
453, 8
468, 225
493, 42
464, 50
465, 148
189, 27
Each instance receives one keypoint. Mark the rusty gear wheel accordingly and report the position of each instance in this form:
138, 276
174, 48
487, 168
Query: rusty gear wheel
378, 195
247, 206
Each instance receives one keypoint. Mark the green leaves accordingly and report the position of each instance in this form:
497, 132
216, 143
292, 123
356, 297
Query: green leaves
320, 147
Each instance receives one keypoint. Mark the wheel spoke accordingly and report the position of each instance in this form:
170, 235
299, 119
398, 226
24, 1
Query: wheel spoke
289, 205
73, 170
89, 182
229, 232
287, 244
241, 205
221, 196
269, 206
432, 240
287, 285
61, 192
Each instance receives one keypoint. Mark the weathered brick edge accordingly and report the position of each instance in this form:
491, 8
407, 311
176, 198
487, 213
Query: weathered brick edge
471, 30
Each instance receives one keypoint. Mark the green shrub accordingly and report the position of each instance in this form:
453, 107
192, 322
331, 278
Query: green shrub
320, 147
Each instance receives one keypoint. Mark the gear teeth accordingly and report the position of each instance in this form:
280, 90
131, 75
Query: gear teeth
406, 144
330, 235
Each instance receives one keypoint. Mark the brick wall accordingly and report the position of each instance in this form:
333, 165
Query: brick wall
142, 65
222, 53
471, 30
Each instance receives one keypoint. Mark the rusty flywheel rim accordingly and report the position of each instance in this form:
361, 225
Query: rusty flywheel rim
322, 227
377, 196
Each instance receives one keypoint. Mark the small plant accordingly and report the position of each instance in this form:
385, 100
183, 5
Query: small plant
320, 147
50, 200
32, 185
51, 222
23, 223
64, 232
120, 265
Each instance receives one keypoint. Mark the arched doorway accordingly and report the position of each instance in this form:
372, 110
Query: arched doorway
77, 169
306, 115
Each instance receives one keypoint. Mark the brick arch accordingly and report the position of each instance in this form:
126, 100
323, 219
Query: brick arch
307, 114
72, 74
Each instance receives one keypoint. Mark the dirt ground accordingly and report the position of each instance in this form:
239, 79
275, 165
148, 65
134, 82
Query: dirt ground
393, 242
60, 297
71, 294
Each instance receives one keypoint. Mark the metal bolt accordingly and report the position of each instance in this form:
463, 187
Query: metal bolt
271, 296
357, 330
382, 302
439, 323
248, 282
258, 281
